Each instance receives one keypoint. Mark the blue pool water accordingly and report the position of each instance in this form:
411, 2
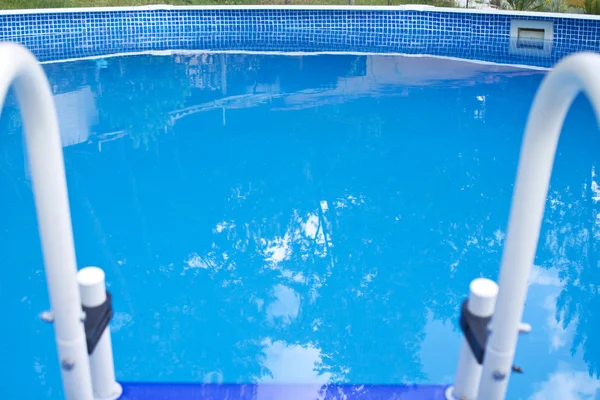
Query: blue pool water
300, 220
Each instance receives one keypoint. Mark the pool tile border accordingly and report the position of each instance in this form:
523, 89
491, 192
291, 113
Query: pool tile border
76, 33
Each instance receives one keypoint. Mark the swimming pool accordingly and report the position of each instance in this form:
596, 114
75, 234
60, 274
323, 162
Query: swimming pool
304, 219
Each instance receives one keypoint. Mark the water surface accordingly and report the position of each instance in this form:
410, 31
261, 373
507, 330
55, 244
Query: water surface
300, 219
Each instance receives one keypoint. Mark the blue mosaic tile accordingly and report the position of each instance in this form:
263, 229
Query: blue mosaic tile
481, 36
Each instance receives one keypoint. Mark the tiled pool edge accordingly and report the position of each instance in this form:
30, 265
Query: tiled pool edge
75, 33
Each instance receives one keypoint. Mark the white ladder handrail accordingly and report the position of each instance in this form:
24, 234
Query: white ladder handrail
20, 68
577, 73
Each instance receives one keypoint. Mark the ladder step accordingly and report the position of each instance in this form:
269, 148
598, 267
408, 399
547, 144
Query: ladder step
212, 391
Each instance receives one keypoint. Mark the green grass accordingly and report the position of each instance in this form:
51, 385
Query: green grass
22, 4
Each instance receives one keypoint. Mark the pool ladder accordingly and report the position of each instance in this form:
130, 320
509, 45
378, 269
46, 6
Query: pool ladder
489, 380
84, 377
92, 377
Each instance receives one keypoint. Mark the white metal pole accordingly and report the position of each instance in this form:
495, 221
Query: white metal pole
576, 73
42, 139
93, 293
481, 303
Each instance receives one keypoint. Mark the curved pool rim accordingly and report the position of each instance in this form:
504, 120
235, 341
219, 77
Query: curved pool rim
473, 34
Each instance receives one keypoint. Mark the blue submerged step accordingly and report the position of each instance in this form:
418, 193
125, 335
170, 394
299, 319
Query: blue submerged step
186, 391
